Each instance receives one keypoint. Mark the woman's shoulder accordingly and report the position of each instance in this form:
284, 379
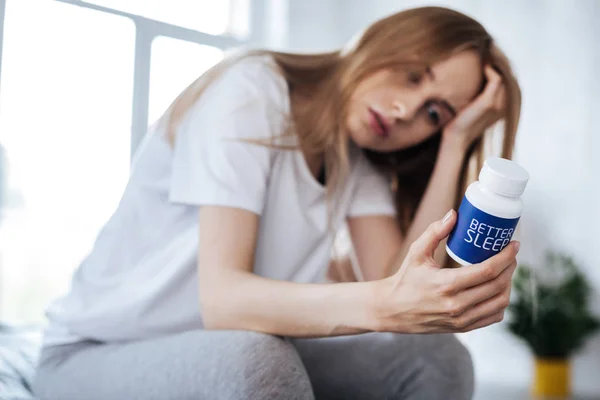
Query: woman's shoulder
245, 97
256, 76
254, 65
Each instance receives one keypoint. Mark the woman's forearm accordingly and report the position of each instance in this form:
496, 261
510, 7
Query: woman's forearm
437, 199
242, 300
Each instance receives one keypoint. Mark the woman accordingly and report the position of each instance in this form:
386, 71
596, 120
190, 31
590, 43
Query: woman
208, 280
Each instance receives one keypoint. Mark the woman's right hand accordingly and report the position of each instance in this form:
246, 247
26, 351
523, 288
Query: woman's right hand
422, 297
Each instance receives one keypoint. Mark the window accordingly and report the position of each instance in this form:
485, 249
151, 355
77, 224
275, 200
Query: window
65, 125
210, 16
70, 116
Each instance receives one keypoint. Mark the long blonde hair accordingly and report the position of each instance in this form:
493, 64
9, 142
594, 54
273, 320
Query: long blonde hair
412, 39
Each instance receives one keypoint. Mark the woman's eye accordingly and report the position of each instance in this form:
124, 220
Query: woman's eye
415, 77
433, 114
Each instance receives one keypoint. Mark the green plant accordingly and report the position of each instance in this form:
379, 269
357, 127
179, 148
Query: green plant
550, 311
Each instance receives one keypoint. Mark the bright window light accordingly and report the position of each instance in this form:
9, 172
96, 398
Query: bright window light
174, 65
65, 123
210, 16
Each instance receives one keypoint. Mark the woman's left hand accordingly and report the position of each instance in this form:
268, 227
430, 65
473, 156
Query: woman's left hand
485, 110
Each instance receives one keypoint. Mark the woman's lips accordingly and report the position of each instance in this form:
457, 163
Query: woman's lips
378, 124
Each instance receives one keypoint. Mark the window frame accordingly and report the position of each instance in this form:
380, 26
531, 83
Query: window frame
145, 31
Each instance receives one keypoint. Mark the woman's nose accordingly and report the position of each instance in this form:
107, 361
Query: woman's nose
405, 110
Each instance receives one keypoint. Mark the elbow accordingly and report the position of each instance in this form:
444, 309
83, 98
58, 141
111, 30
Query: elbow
213, 308
220, 309
216, 321
225, 303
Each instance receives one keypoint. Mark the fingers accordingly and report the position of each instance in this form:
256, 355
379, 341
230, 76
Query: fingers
500, 100
489, 313
491, 74
481, 293
494, 80
429, 241
477, 274
494, 92
490, 306
470, 306
487, 321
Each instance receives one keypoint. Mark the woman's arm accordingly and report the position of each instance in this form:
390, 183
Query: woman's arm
377, 241
441, 191
233, 297
418, 299
437, 200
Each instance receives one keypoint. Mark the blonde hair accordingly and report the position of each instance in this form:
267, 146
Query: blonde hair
412, 39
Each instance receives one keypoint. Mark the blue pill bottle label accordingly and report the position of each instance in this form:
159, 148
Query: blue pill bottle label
478, 235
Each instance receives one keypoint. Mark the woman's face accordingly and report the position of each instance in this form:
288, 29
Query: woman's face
392, 110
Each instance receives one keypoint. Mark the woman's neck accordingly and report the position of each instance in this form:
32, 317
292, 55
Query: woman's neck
300, 104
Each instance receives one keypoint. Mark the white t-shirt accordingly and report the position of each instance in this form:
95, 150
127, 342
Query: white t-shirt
140, 279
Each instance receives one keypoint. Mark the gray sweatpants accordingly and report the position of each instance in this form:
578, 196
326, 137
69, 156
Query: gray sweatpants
242, 365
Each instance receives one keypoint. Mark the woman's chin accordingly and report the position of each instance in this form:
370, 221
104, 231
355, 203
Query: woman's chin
365, 141
375, 145
370, 141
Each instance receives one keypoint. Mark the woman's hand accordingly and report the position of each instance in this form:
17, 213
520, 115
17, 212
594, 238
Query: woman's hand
423, 298
487, 108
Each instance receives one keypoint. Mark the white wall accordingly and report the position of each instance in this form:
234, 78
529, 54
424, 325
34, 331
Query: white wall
555, 49
316, 25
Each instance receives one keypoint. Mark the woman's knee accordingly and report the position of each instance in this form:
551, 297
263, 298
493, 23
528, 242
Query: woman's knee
447, 366
208, 364
262, 366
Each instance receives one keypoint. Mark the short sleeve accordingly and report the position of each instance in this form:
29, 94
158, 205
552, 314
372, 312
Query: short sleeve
372, 193
216, 160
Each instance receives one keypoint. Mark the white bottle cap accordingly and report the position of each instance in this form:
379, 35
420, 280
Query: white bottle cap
503, 176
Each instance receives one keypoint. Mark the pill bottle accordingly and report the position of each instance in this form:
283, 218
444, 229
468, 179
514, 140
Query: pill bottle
489, 212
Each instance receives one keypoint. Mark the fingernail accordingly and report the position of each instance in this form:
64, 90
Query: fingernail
447, 217
517, 246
